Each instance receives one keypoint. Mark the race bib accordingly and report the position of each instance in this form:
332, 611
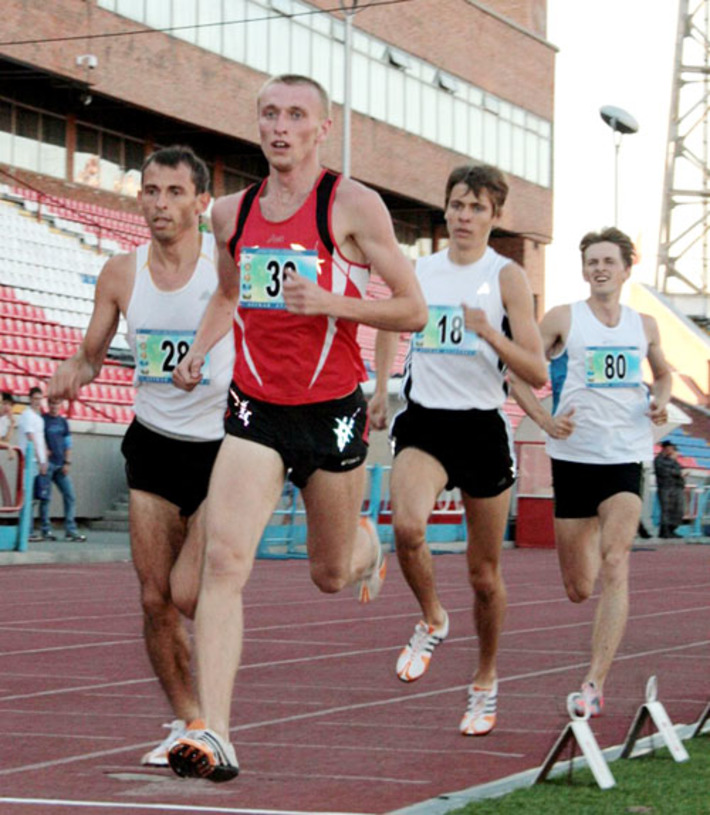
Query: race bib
262, 274
160, 352
445, 333
613, 367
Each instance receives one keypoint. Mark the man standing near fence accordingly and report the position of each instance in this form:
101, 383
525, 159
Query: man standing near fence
59, 446
670, 488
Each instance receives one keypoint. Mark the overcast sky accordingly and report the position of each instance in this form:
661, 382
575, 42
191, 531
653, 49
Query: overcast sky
611, 52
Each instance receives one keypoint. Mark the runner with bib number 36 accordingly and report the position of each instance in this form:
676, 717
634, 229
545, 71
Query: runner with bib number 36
599, 433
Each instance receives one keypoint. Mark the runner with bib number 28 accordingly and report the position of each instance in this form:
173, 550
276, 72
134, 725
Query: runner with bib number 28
162, 289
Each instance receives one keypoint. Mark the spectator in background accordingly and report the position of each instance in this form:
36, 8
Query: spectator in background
59, 447
670, 485
7, 418
30, 428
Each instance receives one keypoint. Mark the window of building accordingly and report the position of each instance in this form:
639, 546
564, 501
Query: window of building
32, 139
292, 36
107, 160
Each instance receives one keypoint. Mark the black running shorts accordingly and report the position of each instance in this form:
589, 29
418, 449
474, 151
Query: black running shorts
580, 488
329, 436
176, 470
473, 446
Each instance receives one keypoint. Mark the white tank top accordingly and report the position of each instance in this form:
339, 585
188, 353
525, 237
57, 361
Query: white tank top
599, 374
444, 368
160, 327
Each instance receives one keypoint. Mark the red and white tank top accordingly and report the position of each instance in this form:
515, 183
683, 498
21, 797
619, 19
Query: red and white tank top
285, 358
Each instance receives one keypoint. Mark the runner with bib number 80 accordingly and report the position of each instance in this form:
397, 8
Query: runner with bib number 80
599, 433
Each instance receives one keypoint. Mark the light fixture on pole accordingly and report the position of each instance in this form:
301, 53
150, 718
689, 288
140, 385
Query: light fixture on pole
621, 124
349, 8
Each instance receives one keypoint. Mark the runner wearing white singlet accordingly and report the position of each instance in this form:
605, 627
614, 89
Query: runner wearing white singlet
599, 433
453, 432
163, 289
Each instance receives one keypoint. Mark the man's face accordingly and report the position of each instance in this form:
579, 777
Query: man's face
292, 123
469, 217
171, 207
603, 268
36, 402
55, 405
6, 408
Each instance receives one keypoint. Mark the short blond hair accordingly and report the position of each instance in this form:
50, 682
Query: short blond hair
298, 79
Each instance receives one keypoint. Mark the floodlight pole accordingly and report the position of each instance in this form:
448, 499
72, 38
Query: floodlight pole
617, 148
349, 8
620, 123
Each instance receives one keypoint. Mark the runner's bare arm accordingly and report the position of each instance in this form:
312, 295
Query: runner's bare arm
554, 329
111, 287
523, 354
362, 225
662, 377
218, 316
385, 351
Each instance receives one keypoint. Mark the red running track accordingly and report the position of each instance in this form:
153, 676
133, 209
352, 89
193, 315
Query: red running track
321, 723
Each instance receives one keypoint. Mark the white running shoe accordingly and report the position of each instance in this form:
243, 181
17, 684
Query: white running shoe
201, 753
368, 587
416, 655
480, 716
158, 756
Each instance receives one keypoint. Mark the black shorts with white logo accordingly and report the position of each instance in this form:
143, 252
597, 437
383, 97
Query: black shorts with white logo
473, 446
580, 488
329, 436
175, 469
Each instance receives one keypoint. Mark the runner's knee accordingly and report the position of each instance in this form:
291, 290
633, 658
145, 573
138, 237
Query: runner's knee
579, 589
409, 533
184, 597
329, 578
485, 579
225, 562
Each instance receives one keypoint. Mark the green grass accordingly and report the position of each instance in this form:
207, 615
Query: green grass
653, 784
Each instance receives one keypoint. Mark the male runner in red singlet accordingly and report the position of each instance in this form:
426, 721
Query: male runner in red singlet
294, 253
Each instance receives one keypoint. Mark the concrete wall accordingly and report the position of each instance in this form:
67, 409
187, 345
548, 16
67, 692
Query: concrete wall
97, 470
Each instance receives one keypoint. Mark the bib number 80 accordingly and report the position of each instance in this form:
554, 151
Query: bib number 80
615, 367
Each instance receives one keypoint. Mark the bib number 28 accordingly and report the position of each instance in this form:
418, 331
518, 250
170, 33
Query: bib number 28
174, 352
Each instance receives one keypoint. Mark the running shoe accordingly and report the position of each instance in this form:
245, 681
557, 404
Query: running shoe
591, 699
416, 654
480, 716
77, 537
201, 753
368, 587
158, 756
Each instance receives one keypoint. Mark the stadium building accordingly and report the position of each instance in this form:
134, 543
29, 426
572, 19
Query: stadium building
89, 87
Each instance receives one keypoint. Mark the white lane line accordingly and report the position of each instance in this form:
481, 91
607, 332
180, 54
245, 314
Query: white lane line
346, 709
59, 802
558, 598
309, 658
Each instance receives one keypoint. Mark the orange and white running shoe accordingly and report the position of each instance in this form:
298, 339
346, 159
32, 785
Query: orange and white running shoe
201, 753
369, 585
591, 699
158, 756
480, 716
416, 655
